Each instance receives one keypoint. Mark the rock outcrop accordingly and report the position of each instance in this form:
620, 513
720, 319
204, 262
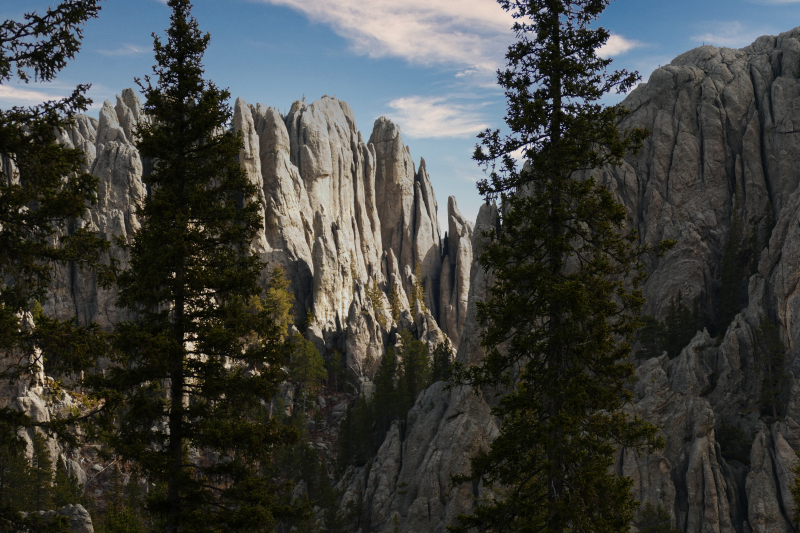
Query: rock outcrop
341, 216
725, 123
79, 519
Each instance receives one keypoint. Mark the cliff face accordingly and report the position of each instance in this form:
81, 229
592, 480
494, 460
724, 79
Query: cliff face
723, 121
342, 215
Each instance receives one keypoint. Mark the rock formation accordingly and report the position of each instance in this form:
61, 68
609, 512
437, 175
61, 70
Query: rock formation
340, 216
725, 123
343, 216
79, 519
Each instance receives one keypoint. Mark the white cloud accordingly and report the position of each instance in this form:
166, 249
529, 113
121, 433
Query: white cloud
468, 33
731, 34
124, 50
20, 96
429, 117
617, 45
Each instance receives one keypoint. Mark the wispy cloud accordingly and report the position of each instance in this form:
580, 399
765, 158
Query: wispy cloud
618, 45
436, 117
124, 50
471, 34
24, 96
731, 34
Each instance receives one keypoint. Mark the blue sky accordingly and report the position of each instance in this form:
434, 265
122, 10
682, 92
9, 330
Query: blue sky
427, 64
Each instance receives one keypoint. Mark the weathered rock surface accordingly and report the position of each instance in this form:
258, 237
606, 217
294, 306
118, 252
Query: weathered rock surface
340, 216
79, 519
722, 120
343, 216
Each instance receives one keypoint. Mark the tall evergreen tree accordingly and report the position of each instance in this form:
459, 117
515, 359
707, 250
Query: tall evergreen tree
195, 368
414, 370
41, 474
564, 303
441, 364
67, 490
44, 193
730, 292
771, 354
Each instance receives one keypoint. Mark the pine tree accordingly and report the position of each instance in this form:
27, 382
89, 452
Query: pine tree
563, 307
306, 366
442, 364
376, 299
413, 371
336, 369
654, 519
41, 474
356, 440
418, 290
385, 401
771, 354
279, 300
394, 303
651, 338
67, 490
197, 366
14, 473
732, 270
44, 194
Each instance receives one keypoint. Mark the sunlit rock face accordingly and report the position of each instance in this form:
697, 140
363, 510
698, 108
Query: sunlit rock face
722, 120
341, 216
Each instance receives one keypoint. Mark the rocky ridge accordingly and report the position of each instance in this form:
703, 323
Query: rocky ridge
342, 215
724, 122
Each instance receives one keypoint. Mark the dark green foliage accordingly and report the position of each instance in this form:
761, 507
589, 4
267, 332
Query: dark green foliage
732, 297
733, 442
414, 371
67, 490
651, 337
279, 300
442, 363
566, 297
403, 373
14, 472
795, 490
200, 361
44, 194
356, 442
123, 512
41, 474
29, 485
655, 520
336, 368
673, 334
385, 402
771, 353
306, 366
301, 462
